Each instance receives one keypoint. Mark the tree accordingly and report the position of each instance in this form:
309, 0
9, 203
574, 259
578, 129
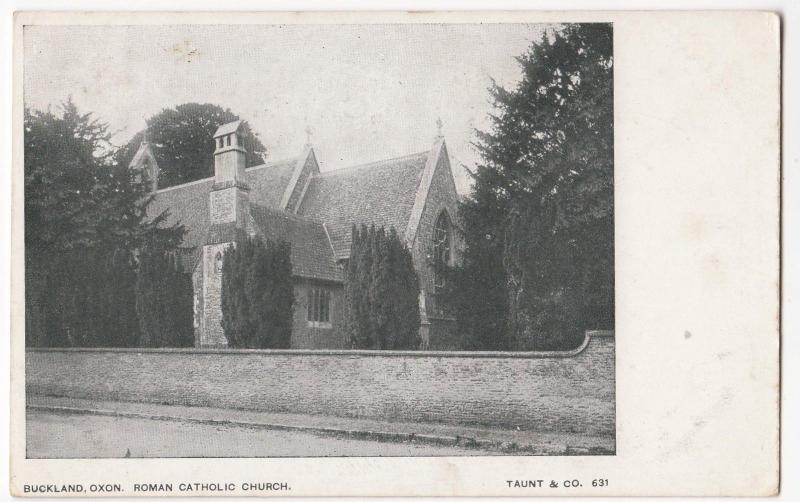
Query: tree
257, 294
183, 143
83, 298
359, 330
399, 300
476, 291
540, 219
381, 292
164, 298
84, 216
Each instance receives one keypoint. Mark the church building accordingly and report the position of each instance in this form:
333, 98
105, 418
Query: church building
314, 211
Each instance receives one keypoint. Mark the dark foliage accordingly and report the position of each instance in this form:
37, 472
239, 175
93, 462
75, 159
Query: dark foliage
164, 298
84, 216
182, 141
381, 292
84, 297
539, 256
476, 290
257, 294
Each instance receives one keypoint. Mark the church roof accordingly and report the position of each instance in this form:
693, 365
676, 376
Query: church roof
312, 255
187, 204
228, 128
380, 193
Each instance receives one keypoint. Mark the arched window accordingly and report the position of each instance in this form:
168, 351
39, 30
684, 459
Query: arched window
218, 262
442, 252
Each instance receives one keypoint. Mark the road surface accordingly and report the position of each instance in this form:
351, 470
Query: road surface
62, 435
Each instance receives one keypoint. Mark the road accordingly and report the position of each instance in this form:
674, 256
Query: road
56, 435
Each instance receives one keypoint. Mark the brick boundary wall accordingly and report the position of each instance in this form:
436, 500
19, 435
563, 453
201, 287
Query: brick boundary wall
570, 392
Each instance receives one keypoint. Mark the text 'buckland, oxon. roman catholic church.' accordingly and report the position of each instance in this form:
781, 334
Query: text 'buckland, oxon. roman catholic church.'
291, 200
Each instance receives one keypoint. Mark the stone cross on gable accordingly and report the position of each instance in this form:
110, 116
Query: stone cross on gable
439, 127
308, 135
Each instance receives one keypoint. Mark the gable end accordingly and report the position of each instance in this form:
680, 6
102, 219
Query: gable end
305, 168
437, 154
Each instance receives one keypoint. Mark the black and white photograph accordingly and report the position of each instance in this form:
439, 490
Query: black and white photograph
319, 240
399, 253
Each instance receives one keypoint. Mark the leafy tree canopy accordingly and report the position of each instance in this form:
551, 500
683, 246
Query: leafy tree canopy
183, 143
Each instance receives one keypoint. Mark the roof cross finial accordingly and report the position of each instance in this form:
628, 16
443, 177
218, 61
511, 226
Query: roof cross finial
308, 135
439, 127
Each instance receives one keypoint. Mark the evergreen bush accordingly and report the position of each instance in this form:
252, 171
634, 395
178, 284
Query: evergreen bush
164, 300
381, 292
257, 294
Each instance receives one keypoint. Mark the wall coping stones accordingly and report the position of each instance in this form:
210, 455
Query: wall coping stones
353, 353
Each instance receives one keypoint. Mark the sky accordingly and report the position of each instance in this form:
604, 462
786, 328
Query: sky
366, 92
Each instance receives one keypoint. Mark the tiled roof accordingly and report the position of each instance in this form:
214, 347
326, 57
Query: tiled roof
228, 128
381, 193
268, 182
188, 204
312, 255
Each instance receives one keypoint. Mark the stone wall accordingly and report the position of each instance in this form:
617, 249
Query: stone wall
441, 197
198, 299
559, 392
228, 204
211, 333
305, 336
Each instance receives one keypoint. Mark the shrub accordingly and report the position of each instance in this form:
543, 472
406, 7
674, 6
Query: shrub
257, 294
163, 300
381, 292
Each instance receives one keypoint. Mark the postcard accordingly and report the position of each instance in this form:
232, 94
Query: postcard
395, 254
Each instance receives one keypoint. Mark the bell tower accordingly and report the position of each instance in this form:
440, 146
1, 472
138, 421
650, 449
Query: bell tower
229, 210
228, 198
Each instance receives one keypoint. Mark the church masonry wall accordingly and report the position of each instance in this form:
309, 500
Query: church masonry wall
208, 326
310, 337
442, 195
228, 205
211, 333
197, 312
570, 392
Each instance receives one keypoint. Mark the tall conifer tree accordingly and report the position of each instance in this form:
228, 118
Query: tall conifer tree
381, 292
164, 299
539, 259
85, 216
257, 294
